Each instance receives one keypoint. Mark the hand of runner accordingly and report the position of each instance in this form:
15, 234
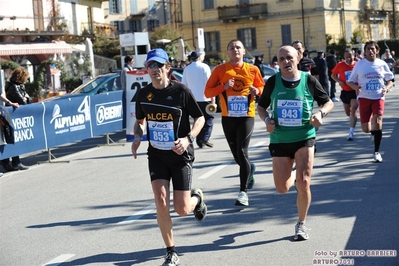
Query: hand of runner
180, 145
270, 126
135, 146
384, 91
229, 84
253, 90
316, 120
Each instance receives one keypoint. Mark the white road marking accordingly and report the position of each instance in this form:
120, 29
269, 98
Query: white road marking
214, 170
257, 145
138, 215
60, 259
220, 167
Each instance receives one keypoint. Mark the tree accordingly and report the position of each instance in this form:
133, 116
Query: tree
166, 32
357, 37
338, 47
107, 47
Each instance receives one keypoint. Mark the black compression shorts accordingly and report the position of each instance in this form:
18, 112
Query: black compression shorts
289, 149
179, 171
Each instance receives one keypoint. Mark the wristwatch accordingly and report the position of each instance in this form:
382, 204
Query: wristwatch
323, 114
190, 138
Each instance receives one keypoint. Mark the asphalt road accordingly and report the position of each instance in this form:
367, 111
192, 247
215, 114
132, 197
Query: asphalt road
93, 205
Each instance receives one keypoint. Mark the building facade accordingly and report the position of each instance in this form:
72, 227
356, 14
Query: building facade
265, 25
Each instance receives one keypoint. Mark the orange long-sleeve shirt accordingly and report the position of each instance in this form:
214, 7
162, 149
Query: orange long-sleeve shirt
244, 76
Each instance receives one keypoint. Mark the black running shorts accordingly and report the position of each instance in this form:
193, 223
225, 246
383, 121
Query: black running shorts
347, 96
289, 149
180, 172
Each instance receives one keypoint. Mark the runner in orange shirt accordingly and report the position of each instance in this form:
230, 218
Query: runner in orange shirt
340, 73
237, 83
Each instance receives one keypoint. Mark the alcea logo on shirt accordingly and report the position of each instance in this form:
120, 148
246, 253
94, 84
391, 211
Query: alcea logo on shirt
281, 93
169, 98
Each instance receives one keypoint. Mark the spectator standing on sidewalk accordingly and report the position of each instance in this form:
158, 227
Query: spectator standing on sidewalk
259, 63
15, 93
165, 106
322, 69
195, 76
286, 106
390, 61
129, 62
237, 83
391, 64
9, 103
372, 79
340, 73
331, 63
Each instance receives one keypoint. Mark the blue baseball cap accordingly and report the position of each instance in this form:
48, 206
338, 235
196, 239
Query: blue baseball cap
158, 55
194, 55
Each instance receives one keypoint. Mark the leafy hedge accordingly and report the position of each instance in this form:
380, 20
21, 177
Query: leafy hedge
392, 44
9, 64
72, 83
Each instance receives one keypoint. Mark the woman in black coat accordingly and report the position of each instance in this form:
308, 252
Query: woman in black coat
15, 93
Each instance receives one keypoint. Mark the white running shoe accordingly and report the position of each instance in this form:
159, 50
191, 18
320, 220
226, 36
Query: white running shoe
335, 99
242, 199
377, 157
171, 259
351, 137
301, 232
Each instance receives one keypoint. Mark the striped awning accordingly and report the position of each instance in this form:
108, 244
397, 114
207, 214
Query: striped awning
59, 47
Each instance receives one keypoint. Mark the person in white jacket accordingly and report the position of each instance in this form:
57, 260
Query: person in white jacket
195, 76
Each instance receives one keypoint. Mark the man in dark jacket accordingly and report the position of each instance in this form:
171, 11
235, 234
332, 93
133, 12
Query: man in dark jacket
259, 62
321, 65
331, 63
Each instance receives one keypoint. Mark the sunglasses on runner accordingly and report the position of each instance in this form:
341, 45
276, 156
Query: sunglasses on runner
155, 63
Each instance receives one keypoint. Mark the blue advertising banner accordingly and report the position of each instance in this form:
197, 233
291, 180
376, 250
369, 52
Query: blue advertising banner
107, 113
64, 120
67, 120
29, 130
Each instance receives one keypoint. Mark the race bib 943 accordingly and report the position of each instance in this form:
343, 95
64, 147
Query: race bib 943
289, 113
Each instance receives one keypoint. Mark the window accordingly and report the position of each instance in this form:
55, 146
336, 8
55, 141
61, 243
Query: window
286, 34
209, 4
121, 26
212, 41
152, 24
135, 26
348, 30
247, 37
376, 32
374, 4
115, 6
133, 7
118, 25
152, 8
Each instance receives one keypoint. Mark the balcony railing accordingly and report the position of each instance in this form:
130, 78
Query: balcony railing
242, 11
